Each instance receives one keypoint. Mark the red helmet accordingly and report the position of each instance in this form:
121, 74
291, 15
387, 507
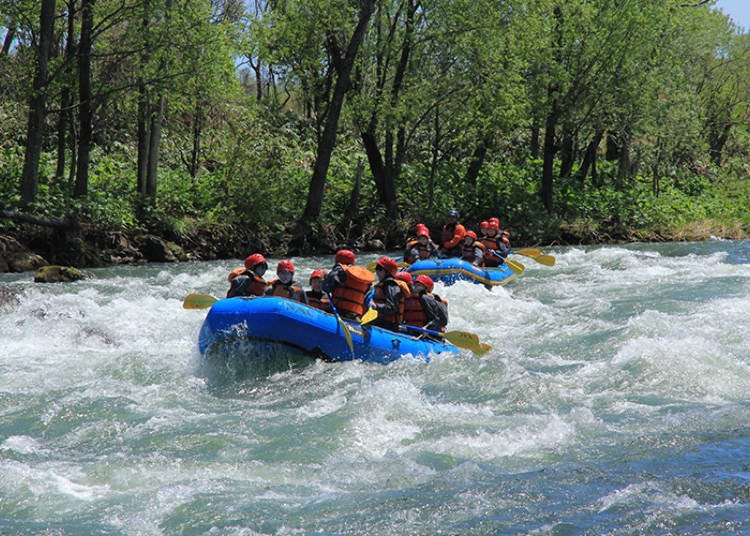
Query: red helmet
253, 260
484, 225
285, 265
472, 234
317, 274
494, 224
422, 230
426, 281
495, 220
404, 276
388, 264
345, 256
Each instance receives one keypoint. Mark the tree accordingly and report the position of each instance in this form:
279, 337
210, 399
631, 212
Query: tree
38, 104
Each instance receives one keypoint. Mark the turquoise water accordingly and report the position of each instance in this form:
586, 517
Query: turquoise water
615, 402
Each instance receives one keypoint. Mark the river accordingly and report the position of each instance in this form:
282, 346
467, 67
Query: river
616, 401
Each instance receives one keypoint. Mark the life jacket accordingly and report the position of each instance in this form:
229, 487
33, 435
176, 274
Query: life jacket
411, 243
452, 237
378, 296
318, 300
491, 244
414, 314
245, 283
350, 295
290, 290
469, 252
423, 250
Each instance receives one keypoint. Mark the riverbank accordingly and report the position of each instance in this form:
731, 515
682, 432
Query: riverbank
34, 246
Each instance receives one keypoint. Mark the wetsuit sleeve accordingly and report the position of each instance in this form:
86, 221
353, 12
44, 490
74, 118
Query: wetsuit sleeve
334, 279
392, 298
436, 311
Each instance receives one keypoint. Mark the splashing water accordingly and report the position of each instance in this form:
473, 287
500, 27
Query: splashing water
614, 402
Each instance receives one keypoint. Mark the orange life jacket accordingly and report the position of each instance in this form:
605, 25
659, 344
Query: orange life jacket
492, 243
378, 296
468, 252
248, 284
318, 300
350, 295
284, 291
414, 314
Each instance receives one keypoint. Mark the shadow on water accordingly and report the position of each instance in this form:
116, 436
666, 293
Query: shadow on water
238, 360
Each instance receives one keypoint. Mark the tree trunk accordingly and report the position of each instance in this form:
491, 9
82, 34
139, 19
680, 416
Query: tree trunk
589, 159
327, 140
142, 140
153, 150
84, 97
549, 151
65, 119
436, 141
37, 106
10, 35
534, 143
477, 161
567, 153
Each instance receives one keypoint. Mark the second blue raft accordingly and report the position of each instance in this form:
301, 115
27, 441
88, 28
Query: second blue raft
452, 270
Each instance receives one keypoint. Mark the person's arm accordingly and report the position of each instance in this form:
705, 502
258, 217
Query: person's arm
334, 279
458, 237
392, 297
436, 311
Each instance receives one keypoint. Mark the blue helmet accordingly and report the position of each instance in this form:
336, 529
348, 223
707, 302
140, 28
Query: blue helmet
453, 213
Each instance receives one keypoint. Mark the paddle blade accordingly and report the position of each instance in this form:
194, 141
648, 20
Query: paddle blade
517, 267
347, 334
198, 301
369, 316
538, 256
547, 260
469, 341
528, 252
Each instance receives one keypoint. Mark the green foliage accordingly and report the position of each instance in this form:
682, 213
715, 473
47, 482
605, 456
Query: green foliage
669, 84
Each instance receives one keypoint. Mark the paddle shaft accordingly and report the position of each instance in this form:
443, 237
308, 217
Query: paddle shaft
344, 327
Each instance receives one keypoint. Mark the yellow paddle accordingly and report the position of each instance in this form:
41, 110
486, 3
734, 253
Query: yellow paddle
538, 256
517, 267
344, 327
198, 301
372, 265
369, 316
462, 339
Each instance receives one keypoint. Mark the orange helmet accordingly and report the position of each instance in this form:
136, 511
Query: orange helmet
472, 234
428, 283
285, 265
253, 260
345, 256
404, 276
388, 264
317, 274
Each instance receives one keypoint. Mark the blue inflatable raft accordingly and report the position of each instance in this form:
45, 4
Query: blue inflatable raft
451, 270
271, 322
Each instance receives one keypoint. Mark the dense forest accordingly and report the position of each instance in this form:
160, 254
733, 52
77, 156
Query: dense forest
301, 125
